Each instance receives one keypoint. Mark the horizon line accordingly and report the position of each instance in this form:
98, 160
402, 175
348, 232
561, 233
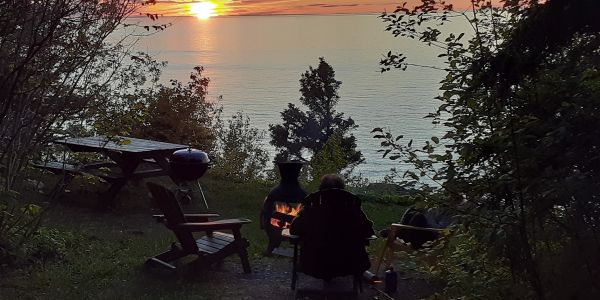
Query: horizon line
140, 15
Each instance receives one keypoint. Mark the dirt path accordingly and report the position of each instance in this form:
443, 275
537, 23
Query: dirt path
271, 277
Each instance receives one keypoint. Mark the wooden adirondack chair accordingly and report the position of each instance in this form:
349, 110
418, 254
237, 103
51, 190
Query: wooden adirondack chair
392, 244
213, 247
331, 235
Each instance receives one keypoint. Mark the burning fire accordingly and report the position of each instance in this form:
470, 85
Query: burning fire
288, 209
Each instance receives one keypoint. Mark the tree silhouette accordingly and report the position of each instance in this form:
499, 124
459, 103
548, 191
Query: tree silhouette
521, 164
305, 132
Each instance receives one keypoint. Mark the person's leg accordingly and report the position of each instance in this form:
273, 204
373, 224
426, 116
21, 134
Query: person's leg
416, 237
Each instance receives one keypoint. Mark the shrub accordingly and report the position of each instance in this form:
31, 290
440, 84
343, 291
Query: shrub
469, 268
240, 155
181, 114
18, 225
47, 244
22, 239
402, 200
331, 159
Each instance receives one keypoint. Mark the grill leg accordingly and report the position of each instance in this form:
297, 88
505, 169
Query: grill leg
202, 193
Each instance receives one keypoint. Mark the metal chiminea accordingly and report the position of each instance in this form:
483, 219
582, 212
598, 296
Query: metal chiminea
283, 203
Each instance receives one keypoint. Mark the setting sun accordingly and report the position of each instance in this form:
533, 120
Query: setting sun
203, 10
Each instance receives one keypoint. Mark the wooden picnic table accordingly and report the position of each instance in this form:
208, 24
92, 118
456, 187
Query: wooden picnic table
134, 159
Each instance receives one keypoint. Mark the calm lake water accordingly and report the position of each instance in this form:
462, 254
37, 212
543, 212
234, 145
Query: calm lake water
255, 63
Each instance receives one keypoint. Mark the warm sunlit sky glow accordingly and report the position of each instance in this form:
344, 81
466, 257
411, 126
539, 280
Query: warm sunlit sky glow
204, 9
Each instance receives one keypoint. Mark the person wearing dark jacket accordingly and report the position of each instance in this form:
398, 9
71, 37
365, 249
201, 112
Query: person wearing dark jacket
432, 218
333, 231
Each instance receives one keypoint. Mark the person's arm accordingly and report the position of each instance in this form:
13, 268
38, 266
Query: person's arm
366, 226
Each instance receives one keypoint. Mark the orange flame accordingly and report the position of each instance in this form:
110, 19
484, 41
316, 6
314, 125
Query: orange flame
285, 208
274, 222
288, 209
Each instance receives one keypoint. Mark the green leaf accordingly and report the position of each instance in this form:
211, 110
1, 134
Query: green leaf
386, 153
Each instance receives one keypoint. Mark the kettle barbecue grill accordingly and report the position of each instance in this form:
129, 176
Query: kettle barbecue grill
189, 165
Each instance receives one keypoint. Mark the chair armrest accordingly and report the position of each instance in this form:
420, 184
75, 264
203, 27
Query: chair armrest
194, 218
159, 218
209, 226
286, 233
390, 242
402, 226
198, 218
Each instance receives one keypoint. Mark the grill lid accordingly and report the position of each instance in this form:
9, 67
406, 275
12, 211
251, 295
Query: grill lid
190, 155
188, 164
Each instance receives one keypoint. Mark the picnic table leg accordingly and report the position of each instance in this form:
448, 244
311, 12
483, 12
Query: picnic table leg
61, 186
127, 164
164, 164
108, 196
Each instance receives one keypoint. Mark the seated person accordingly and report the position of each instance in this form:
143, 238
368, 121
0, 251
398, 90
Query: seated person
432, 218
333, 237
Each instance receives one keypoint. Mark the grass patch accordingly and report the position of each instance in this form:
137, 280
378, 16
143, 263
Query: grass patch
105, 254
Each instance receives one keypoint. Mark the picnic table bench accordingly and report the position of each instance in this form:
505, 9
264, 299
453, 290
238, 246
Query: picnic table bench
68, 172
57, 167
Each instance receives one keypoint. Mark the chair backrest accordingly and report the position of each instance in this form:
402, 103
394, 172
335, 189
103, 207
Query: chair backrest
170, 207
334, 234
332, 198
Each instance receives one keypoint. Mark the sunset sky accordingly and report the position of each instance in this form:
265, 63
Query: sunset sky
274, 7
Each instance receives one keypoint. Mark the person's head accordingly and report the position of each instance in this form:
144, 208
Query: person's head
331, 181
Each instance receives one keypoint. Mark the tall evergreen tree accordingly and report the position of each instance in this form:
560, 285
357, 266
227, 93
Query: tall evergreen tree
304, 133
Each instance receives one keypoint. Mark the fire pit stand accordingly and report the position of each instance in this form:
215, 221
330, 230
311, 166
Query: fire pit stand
282, 204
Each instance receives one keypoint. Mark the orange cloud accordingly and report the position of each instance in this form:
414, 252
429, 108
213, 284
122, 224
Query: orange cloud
273, 7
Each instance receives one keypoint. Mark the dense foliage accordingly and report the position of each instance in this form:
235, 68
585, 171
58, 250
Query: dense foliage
240, 155
182, 114
520, 102
22, 238
56, 62
18, 224
58, 66
305, 133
